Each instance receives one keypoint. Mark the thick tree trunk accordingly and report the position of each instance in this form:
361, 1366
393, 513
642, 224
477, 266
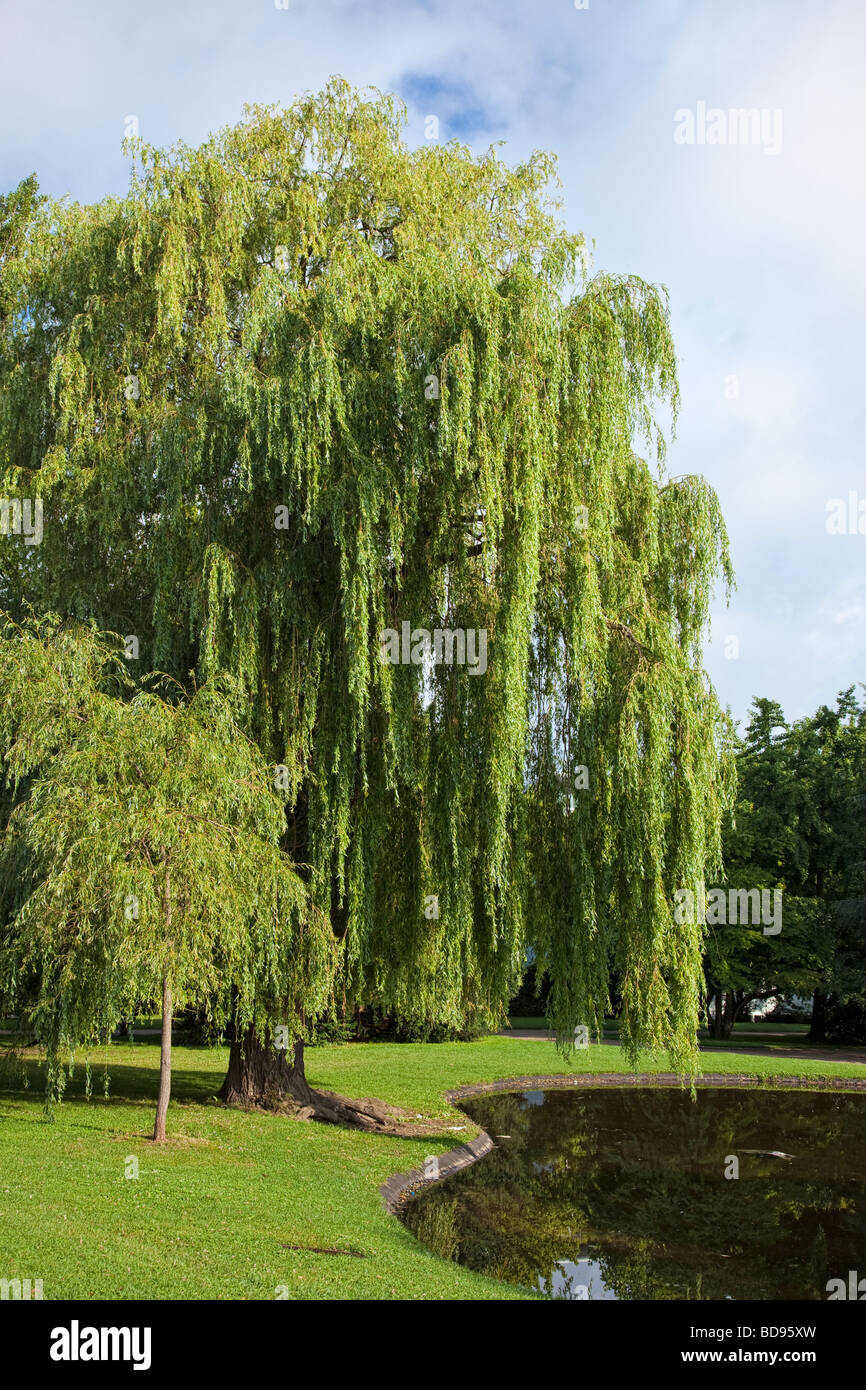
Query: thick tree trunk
725, 1010
262, 1076
258, 1074
164, 1064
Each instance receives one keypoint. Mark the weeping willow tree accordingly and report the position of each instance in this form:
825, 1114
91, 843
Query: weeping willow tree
143, 859
304, 391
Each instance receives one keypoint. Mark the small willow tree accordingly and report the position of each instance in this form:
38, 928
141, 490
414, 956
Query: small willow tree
303, 386
143, 859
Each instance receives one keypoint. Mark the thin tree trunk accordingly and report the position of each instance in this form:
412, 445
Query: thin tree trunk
165, 1049
818, 1027
740, 998
164, 1063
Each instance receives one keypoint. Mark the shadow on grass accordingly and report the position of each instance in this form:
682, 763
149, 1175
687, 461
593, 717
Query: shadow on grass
129, 1081
135, 1083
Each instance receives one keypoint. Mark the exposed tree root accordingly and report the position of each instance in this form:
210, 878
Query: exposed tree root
369, 1114
260, 1078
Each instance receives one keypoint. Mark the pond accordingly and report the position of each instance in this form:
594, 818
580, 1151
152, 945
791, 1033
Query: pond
613, 1194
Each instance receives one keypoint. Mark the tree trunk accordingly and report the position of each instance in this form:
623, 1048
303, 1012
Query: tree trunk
258, 1074
164, 1063
818, 1027
724, 1014
730, 1013
741, 999
165, 1049
262, 1076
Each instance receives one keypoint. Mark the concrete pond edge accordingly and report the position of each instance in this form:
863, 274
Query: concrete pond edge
400, 1186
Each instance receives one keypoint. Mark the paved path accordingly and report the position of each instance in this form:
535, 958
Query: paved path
815, 1054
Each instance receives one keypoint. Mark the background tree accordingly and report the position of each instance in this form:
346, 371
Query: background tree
830, 752
798, 826
304, 384
761, 846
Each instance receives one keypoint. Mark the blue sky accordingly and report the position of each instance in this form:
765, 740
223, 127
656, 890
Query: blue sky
762, 251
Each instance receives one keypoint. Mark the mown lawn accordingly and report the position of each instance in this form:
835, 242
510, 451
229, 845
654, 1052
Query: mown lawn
210, 1212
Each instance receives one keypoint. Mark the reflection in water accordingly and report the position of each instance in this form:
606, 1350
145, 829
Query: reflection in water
611, 1194
577, 1279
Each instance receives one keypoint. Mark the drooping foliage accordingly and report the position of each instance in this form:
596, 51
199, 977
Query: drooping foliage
304, 384
145, 852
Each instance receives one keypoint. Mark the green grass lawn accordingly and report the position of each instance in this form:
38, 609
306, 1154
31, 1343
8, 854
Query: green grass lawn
210, 1211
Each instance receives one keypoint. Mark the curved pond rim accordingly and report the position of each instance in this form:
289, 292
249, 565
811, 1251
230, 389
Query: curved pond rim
401, 1185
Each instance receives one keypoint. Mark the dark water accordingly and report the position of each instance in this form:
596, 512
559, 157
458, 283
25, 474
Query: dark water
623, 1195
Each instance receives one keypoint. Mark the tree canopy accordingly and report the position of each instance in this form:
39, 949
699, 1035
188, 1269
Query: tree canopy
304, 384
799, 826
